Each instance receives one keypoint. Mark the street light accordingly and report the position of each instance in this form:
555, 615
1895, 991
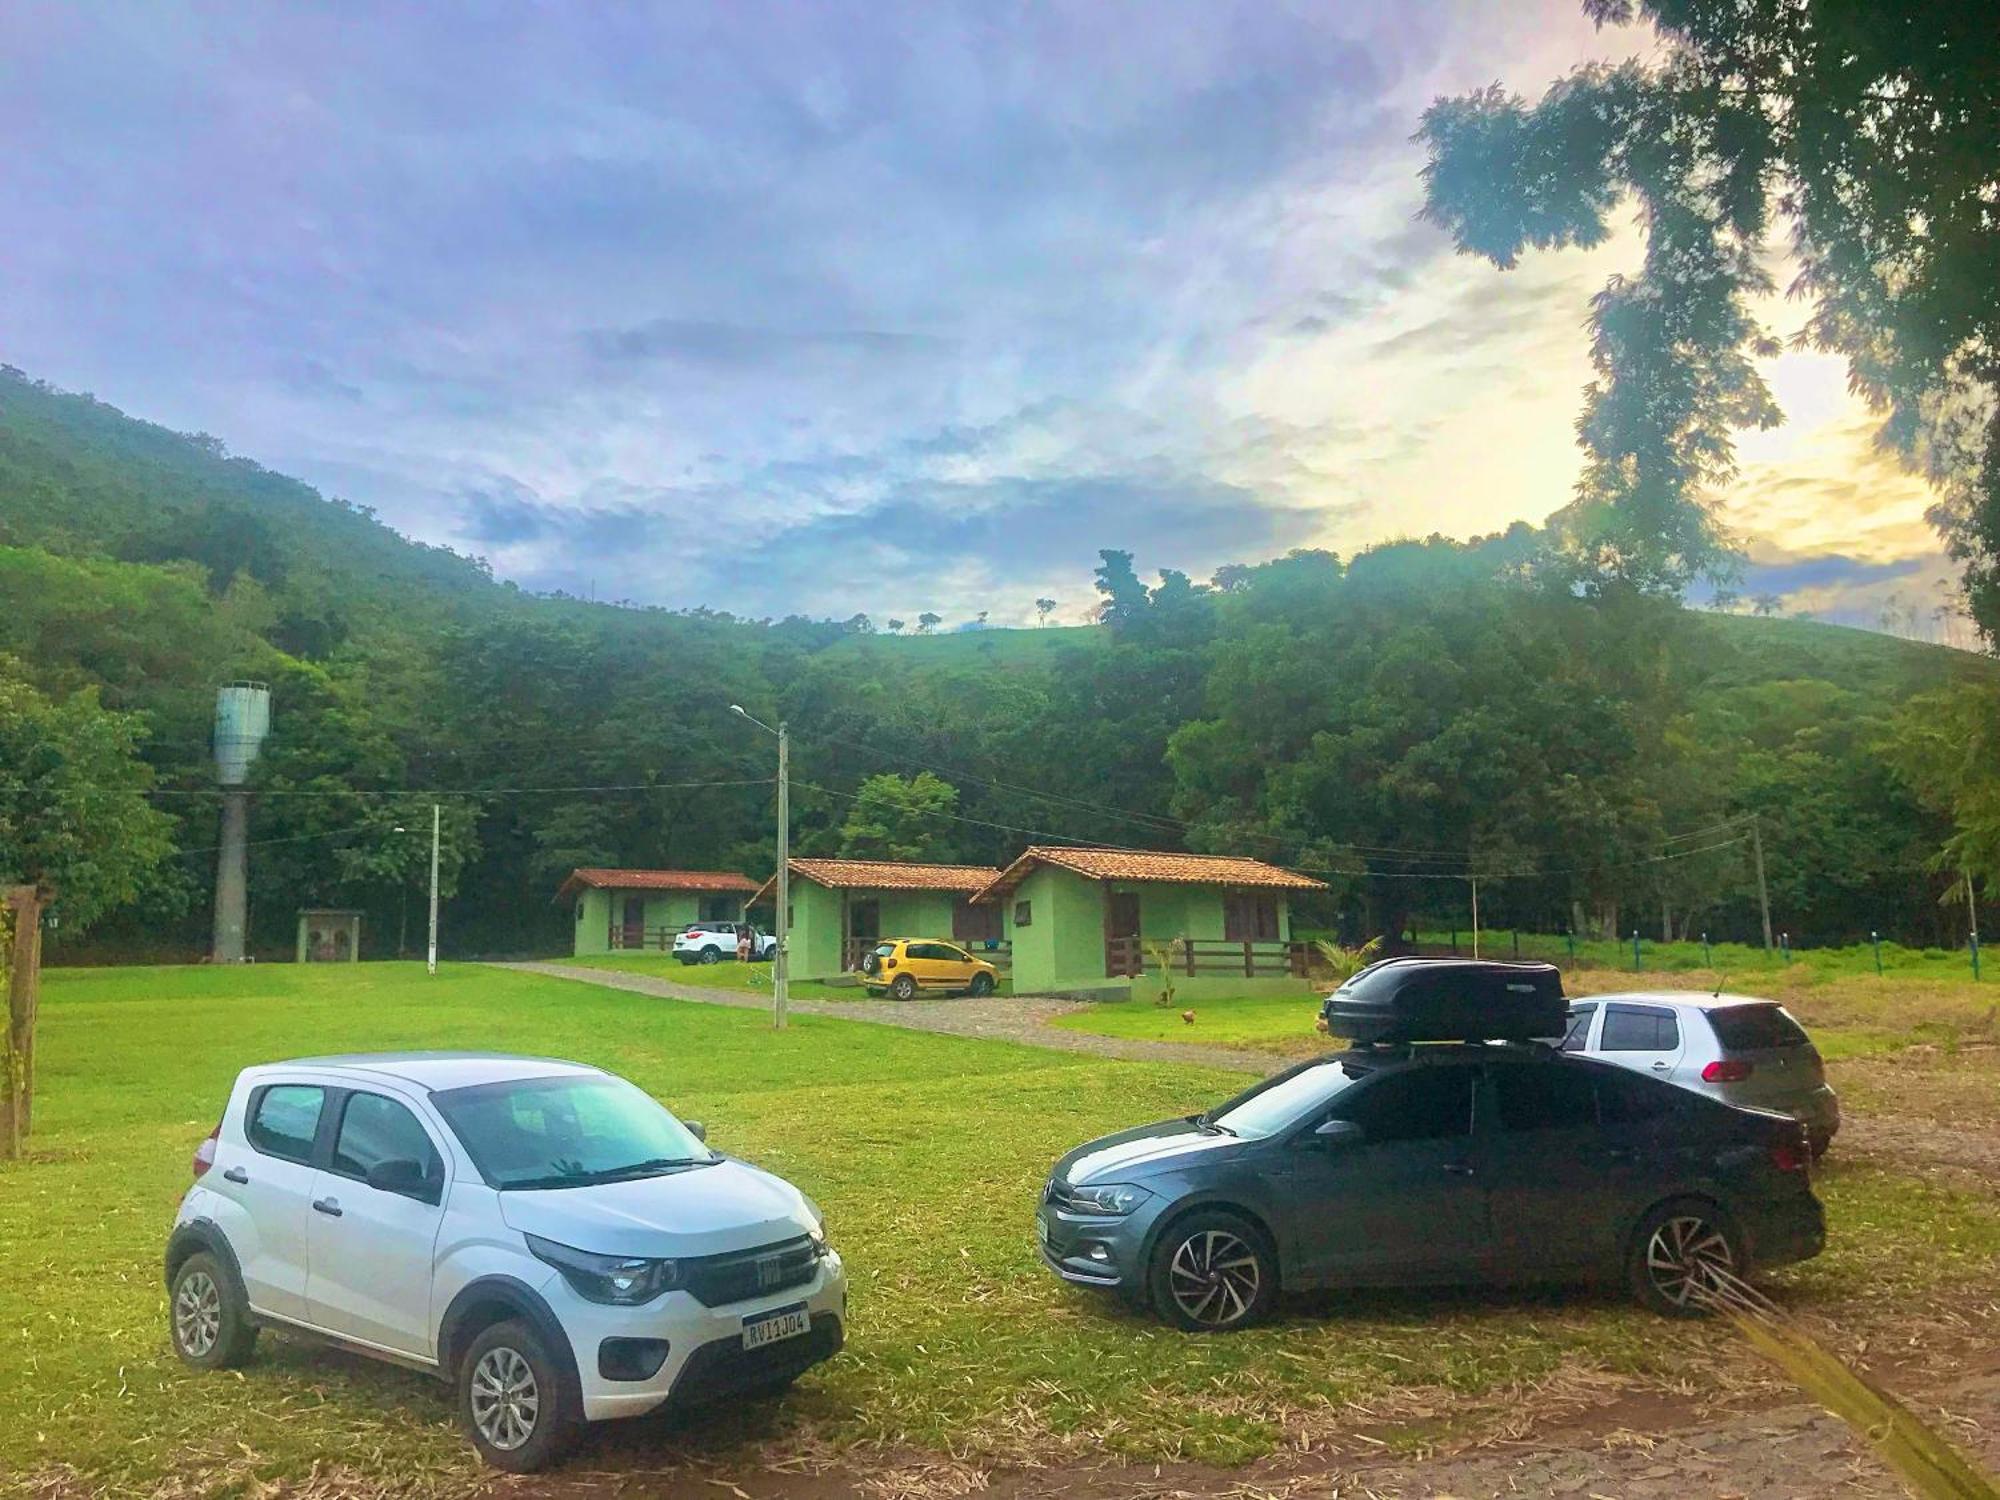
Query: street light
781, 963
431, 957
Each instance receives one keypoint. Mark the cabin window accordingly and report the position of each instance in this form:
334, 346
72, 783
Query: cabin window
1249, 919
1024, 913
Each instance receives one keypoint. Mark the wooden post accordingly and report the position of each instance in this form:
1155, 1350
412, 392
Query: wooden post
23, 995
1249, 960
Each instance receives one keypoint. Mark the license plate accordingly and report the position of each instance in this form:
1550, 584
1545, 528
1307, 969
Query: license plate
1042, 1230
769, 1328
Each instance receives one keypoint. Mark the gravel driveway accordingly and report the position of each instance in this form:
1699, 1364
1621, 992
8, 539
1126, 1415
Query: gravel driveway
995, 1018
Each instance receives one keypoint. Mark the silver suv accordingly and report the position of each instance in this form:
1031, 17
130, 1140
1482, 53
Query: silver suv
1732, 1047
542, 1234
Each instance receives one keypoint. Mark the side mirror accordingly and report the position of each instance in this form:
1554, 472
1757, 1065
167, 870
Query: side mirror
401, 1175
696, 1129
1338, 1133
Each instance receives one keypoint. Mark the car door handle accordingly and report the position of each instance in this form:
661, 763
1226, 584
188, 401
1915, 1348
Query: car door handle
1458, 1168
328, 1206
236, 1174
1661, 1067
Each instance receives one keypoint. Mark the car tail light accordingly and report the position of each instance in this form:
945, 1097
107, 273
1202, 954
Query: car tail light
888, 963
1726, 1070
1790, 1156
204, 1154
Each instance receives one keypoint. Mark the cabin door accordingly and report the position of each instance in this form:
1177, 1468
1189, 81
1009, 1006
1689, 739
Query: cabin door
634, 933
1121, 933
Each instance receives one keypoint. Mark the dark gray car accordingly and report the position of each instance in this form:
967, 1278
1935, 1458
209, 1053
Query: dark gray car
1432, 1164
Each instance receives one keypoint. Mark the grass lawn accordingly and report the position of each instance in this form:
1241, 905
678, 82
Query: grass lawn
1745, 965
752, 978
926, 1152
1849, 1015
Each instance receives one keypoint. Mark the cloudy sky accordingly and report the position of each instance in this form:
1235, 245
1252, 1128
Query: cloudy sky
840, 307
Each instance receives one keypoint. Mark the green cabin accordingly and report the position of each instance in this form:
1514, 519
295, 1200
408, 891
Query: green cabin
620, 910
1095, 920
841, 908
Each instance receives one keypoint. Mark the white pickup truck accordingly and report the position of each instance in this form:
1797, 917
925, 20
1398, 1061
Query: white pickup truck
712, 942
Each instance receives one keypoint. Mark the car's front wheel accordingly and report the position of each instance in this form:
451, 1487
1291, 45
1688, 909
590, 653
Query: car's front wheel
905, 988
1212, 1271
1681, 1254
711, 955
511, 1401
207, 1315
982, 986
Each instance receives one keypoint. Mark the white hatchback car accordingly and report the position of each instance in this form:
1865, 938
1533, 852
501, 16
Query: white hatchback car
543, 1234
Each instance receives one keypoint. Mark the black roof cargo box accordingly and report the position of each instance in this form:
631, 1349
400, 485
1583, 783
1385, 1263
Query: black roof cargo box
1448, 1000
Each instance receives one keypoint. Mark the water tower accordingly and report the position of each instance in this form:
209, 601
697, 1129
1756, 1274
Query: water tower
242, 719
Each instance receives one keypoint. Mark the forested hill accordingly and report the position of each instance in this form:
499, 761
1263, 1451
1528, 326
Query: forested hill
1409, 714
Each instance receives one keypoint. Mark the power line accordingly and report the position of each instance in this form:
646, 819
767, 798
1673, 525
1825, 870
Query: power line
418, 793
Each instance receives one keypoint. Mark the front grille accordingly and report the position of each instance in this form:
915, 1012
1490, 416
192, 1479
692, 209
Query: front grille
718, 1280
1057, 1195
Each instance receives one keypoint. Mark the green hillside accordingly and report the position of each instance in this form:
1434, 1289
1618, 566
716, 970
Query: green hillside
1431, 696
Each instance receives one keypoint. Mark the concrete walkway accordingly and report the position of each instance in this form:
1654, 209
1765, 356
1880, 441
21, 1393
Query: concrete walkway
997, 1018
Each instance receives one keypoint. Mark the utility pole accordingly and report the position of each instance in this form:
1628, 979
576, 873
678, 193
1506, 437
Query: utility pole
1763, 890
781, 959
431, 959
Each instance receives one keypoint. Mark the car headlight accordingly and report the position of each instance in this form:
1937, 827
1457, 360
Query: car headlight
619, 1280
818, 1230
1109, 1197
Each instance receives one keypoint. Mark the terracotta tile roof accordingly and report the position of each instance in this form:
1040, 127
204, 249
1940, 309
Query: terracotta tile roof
1147, 865
708, 881
883, 875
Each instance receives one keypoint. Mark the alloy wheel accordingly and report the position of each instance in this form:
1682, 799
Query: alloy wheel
1687, 1259
505, 1399
1215, 1277
197, 1314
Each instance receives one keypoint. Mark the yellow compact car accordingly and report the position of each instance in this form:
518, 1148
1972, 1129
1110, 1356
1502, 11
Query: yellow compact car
902, 966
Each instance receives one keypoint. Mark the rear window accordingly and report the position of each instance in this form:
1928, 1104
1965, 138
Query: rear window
1638, 1028
1630, 1098
1579, 1027
1553, 1096
1749, 1028
284, 1119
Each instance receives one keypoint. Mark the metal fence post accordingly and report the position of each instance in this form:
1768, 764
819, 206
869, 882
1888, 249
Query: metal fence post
1637, 961
1707, 958
1571, 935
1785, 946
1876, 939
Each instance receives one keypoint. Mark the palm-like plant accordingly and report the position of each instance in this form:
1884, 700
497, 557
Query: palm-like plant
1917, 1452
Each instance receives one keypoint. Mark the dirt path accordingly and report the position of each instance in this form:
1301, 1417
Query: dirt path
999, 1018
1649, 1450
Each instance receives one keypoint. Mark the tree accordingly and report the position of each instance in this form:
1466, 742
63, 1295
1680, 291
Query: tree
1874, 131
859, 625
1043, 609
979, 620
74, 820
391, 850
1125, 597
928, 622
1764, 606
898, 818
1946, 747
895, 627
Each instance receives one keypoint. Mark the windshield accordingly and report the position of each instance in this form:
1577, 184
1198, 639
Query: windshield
1285, 1100
567, 1132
